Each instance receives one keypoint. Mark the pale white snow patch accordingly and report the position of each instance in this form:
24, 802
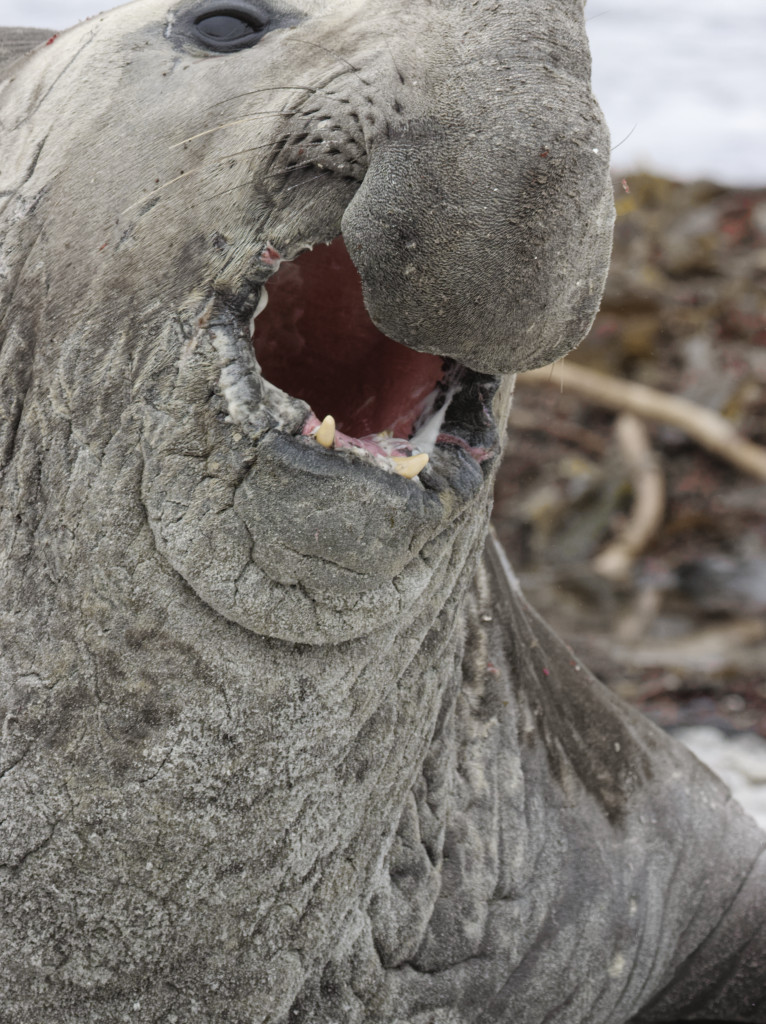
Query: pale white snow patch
739, 761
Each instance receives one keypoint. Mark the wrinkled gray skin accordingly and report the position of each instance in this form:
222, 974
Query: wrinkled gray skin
282, 741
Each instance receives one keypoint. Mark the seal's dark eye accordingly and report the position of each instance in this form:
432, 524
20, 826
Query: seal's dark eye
228, 30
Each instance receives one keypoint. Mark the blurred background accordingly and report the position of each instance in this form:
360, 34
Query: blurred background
636, 515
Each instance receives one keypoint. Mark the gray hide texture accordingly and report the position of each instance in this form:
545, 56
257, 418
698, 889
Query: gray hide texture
281, 740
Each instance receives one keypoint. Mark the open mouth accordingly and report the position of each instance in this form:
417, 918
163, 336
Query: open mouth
368, 395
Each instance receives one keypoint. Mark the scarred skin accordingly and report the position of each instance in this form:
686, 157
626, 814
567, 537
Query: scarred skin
282, 741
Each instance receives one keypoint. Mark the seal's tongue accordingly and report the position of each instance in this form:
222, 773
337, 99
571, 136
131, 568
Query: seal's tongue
316, 342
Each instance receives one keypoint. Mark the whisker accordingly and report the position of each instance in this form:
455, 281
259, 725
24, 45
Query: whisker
332, 53
298, 185
294, 167
208, 168
232, 124
276, 146
226, 191
266, 88
164, 185
246, 184
322, 84
393, 60
625, 139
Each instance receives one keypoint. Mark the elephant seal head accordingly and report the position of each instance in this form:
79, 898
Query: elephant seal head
420, 192
230, 638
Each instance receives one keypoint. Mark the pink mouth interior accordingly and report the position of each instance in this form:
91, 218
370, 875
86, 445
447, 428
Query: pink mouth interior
316, 342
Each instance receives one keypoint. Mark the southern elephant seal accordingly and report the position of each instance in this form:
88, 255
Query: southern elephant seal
282, 741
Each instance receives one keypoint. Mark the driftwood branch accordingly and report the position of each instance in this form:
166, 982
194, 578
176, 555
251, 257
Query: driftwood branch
648, 486
732, 646
706, 427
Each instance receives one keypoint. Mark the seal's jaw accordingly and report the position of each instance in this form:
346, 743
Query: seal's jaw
289, 537
280, 529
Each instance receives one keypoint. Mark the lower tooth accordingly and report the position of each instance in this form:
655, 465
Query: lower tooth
410, 466
326, 433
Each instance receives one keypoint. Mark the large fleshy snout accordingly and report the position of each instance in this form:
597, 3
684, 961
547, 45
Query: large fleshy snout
485, 234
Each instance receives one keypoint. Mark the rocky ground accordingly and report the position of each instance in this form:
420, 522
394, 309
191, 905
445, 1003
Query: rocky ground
681, 631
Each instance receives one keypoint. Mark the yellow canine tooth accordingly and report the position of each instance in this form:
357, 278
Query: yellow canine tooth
326, 433
410, 465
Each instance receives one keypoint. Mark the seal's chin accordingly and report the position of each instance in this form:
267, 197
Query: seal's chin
368, 395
